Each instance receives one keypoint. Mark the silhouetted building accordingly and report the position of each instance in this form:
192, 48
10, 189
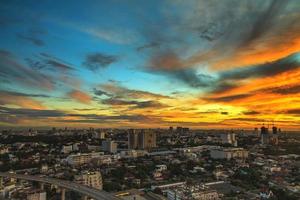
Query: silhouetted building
132, 139
264, 134
274, 135
182, 130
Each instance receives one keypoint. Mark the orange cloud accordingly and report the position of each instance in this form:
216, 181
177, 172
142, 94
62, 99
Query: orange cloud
21, 101
80, 96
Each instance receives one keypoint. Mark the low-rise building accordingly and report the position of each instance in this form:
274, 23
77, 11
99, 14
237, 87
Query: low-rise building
80, 159
91, 179
37, 196
192, 193
229, 153
67, 148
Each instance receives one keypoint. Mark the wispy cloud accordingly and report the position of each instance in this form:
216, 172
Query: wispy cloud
11, 69
21, 100
80, 96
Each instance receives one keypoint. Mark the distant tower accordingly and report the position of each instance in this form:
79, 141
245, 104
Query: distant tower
256, 132
264, 134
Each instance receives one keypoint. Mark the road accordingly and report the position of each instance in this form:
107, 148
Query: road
82, 189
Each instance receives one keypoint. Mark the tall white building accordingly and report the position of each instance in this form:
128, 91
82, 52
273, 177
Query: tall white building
91, 179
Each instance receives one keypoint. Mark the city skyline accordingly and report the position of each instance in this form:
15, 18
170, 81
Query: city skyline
197, 64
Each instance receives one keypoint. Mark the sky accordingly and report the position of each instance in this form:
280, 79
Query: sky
159, 63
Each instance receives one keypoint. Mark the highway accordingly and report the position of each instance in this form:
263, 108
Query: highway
82, 189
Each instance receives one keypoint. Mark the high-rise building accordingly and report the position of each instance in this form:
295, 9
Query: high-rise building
229, 138
264, 134
91, 179
274, 135
147, 139
132, 139
109, 146
141, 139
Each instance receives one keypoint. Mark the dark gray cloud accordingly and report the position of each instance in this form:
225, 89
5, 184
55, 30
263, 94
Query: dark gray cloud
101, 92
58, 64
224, 113
252, 112
24, 94
285, 90
228, 98
95, 61
33, 36
148, 46
133, 104
264, 22
32, 39
268, 69
11, 69
46, 61
293, 111
31, 113
191, 78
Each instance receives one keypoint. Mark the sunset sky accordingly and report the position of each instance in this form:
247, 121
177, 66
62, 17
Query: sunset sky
118, 63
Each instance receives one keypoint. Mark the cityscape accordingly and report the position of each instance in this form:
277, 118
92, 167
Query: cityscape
150, 100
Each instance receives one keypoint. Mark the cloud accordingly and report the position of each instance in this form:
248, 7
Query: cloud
266, 20
171, 65
285, 90
233, 79
148, 46
24, 94
116, 90
224, 35
95, 61
20, 99
120, 96
17, 115
31, 113
46, 61
101, 92
12, 70
32, 39
228, 98
252, 112
132, 104
295, 111
33, 36
289, 63
121, 36
80, 96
